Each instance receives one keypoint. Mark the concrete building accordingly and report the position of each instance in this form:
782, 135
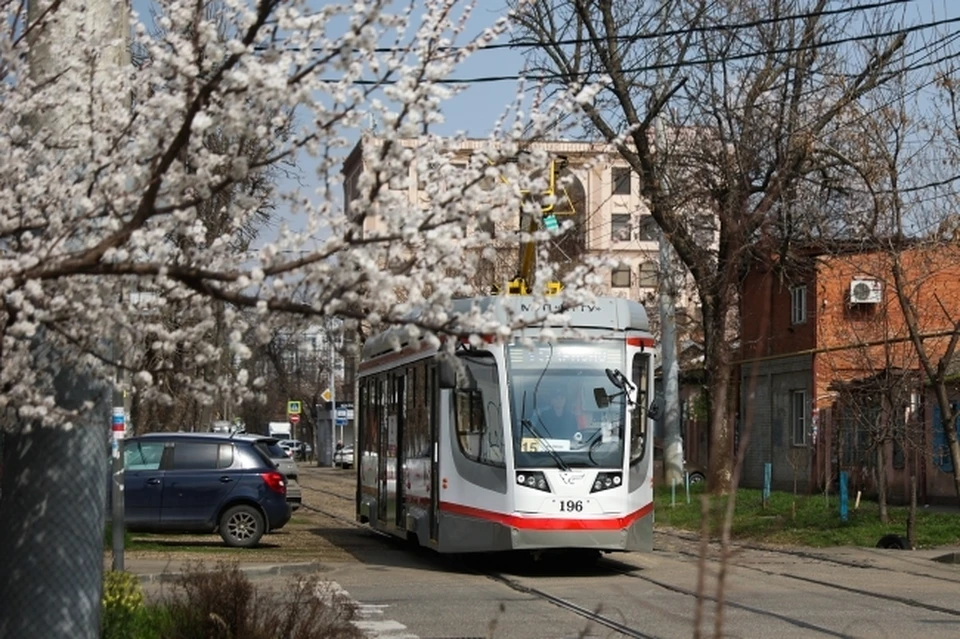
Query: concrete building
609, 217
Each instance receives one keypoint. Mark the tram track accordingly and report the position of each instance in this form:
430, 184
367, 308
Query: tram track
610, 566
593, 616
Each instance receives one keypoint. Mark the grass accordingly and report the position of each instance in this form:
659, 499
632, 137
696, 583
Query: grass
804, 520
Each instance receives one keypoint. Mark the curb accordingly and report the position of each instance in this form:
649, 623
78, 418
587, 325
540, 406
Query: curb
250, 571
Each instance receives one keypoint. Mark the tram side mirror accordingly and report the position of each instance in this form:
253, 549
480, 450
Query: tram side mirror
615, 377
600, 396
446, 374
451, 378
656, 408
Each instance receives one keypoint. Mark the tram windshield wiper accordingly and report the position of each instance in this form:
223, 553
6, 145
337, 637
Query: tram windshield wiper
562, 465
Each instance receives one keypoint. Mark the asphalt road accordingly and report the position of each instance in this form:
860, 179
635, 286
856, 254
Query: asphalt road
783, 592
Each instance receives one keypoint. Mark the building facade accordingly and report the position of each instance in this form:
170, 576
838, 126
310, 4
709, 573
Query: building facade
608, 217
830, 379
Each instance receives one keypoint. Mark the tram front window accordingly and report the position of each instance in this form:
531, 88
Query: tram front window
556, 419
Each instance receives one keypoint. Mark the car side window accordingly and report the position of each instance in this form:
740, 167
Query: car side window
195, 456
225, 460
142, 455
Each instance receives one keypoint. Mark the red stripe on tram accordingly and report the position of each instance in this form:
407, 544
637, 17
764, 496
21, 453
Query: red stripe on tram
534, 522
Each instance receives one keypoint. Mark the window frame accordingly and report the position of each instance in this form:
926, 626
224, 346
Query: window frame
648, 277
623, 268
621, 180
799, 418
621, 227
798, 305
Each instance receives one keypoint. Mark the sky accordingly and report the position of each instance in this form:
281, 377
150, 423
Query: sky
475, 110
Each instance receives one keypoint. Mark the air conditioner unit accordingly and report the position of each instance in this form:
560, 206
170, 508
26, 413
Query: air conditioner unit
866, 291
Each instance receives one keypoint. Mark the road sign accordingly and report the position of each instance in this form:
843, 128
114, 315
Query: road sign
326, 395
295, 418
341, 421
293, 407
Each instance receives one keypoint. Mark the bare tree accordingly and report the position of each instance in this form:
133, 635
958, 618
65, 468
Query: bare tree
746, 92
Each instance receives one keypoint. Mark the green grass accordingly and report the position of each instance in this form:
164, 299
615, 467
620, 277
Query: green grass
805, 520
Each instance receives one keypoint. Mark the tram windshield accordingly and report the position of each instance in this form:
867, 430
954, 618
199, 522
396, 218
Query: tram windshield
555, 415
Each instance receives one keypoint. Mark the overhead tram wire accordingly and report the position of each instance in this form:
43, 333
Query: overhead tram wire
725, 27
677, 64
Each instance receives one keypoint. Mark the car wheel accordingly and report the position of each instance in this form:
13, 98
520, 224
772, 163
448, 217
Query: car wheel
242, 526
696, 477
893, 542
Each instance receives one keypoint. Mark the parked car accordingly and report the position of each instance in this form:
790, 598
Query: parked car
695, 472
203, 482
286, 464
343, 457
296, 448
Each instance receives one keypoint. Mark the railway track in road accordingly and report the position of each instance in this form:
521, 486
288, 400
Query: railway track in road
592, 616
687, 547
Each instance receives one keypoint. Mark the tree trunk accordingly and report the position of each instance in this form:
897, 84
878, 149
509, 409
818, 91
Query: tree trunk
719, 371
882, 482
52, 515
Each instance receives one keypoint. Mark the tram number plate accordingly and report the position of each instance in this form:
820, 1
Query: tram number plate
571, 505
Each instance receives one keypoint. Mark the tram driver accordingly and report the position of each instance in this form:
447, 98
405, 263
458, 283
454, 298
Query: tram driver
559, 418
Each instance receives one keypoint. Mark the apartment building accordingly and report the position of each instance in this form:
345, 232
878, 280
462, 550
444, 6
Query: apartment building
607, 214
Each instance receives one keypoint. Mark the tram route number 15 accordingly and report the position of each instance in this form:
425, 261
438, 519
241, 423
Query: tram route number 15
571, 506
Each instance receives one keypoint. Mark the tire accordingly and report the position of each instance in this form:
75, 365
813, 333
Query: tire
696, 477
893, 542
242, 526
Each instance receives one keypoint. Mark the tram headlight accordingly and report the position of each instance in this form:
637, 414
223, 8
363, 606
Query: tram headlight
533, 479
606, 481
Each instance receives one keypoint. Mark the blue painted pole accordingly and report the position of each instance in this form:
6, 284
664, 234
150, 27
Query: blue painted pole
767, 473
844, 506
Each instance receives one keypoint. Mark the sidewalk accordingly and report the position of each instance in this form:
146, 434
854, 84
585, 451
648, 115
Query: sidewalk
152, 571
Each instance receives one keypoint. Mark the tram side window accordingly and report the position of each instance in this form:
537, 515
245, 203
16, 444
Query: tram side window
638, 425
417, 424
479, 427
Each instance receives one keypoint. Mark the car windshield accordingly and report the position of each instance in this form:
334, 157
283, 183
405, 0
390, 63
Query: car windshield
272, 449
556, 419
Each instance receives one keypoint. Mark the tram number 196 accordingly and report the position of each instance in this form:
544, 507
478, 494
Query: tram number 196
571, 506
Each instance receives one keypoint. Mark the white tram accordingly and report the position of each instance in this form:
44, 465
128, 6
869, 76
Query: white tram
471, 459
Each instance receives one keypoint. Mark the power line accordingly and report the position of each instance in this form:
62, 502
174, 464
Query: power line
676, 64
520, 44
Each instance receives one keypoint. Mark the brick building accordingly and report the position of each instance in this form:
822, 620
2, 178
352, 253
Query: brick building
829, 374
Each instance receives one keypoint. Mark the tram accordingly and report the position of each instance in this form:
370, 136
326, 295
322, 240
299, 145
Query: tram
516, 444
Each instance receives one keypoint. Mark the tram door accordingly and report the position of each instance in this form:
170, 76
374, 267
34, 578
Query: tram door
384, 387
398, 459
433, 417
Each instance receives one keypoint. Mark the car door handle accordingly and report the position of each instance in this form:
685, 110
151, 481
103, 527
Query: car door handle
153, 482
226, 480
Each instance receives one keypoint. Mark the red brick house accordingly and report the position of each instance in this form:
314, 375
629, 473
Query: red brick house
828, 373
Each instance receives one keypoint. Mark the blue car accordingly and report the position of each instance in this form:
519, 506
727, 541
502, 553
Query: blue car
202, 482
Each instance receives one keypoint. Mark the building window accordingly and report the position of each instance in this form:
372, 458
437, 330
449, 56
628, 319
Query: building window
648, 275
620, 277
798, 417
621, 180
620, 227
798, 305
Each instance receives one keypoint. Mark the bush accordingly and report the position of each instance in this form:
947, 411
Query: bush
124, 614
224, 604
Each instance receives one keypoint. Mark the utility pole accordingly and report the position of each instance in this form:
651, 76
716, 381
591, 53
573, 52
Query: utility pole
669, 368
333, 400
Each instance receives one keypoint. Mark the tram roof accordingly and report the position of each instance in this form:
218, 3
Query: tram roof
605, 313
614, 313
